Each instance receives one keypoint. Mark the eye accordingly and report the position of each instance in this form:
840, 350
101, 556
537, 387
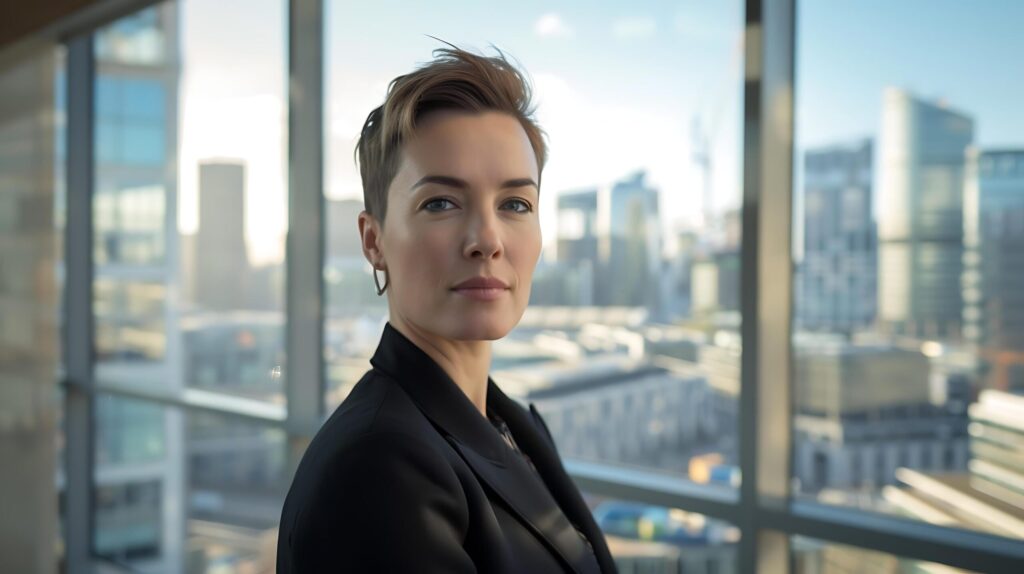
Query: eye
524, 207
437, 204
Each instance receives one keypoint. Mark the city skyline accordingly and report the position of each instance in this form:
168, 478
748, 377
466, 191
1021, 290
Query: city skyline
683, 49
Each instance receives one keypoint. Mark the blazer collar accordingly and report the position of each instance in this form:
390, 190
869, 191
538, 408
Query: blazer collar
486, 453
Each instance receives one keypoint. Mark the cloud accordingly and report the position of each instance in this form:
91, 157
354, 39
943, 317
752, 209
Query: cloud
634, 27
551, 25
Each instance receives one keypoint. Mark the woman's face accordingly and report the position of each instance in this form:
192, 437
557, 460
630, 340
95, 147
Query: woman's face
462, 206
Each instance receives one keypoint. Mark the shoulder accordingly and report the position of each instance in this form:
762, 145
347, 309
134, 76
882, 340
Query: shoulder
376, 437
377, 405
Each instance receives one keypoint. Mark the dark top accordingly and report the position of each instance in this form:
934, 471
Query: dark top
407, 476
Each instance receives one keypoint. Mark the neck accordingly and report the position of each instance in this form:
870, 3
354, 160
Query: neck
466, 362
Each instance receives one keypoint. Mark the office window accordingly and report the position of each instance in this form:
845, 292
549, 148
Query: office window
185, 491
917, 372
189, 225
635, 301
631, 347
190, 191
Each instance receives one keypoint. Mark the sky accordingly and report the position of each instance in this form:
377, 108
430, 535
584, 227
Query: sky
618, 86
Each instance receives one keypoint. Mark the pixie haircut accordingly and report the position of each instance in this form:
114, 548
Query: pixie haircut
454, 80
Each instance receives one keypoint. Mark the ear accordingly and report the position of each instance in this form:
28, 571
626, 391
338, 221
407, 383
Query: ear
369, 232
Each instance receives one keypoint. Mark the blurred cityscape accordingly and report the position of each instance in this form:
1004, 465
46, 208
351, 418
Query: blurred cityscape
908, 333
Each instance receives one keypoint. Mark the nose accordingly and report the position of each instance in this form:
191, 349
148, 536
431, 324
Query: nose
483, 240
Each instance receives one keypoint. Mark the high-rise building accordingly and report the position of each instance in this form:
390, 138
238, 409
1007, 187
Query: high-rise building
139, 484
223, 262
629, 244
577, 246
839, 269
920, 225
993, 282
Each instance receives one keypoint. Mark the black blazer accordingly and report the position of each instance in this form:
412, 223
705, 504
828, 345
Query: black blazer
408, 476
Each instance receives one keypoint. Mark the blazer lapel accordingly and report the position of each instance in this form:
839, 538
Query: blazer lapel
480, 444
533, 438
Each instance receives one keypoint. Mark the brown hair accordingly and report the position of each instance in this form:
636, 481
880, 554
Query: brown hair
454, 80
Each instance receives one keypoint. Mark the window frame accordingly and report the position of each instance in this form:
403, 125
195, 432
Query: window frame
762, 507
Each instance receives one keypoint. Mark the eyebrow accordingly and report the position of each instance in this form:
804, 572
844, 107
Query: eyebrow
462, 184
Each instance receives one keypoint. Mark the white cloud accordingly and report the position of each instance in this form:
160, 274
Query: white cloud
634, 27
551, 25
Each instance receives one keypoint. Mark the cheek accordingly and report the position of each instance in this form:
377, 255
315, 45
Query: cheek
525, 253
424, 253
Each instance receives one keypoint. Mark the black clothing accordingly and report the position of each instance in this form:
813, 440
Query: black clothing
407, 476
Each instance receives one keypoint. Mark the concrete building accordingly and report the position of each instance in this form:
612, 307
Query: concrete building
616, 409
222, 261
862, 412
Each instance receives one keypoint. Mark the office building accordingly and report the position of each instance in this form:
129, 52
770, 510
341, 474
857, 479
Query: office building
920, 226
577, 247
839, 269
139, 485
862, 412
222, 263
629, 244
993, 282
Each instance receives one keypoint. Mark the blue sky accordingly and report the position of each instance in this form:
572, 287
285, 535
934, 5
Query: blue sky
967, 53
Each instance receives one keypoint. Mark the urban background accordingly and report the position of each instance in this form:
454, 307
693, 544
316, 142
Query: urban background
908, 242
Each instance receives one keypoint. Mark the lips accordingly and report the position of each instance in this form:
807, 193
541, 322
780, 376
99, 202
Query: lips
481, 283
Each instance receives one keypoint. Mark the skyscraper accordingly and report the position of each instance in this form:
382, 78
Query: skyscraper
993, 281
577, 245
630, 244
920, 225
839, 272
223, 262
139, 487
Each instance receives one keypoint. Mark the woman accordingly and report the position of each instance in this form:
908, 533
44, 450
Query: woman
427, 466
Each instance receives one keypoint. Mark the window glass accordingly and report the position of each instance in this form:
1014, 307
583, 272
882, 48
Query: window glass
186, 491
630, 346
909, 309
189, 219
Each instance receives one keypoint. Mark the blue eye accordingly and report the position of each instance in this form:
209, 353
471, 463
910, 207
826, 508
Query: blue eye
525, 206
435, 202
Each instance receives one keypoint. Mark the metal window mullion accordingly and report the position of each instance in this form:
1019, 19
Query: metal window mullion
653, 487
79, 429
903, 537
765, 421
304, 309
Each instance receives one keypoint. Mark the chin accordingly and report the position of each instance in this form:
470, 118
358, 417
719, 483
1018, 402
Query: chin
481, 326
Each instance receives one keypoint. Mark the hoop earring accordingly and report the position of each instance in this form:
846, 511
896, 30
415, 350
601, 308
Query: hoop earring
380, 290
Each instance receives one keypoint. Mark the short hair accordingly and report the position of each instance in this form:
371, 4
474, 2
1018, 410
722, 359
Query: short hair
454, 80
